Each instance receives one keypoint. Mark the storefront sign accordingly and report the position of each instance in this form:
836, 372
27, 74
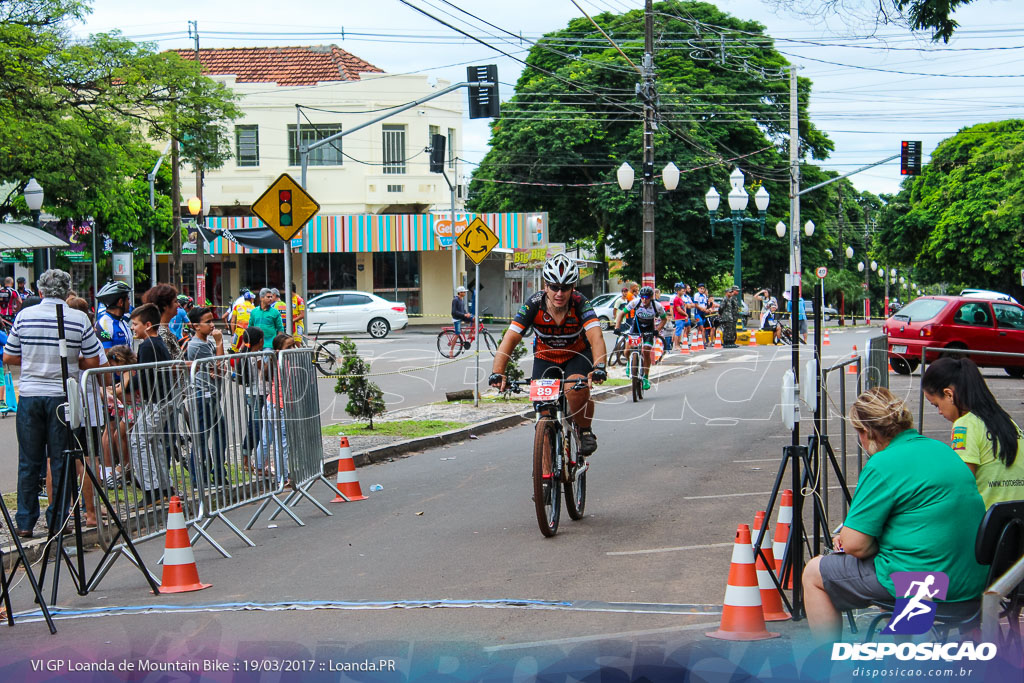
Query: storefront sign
443, 229
529, 258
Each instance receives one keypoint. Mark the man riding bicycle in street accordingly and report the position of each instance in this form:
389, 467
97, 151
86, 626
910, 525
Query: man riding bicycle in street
648, 319
568, 337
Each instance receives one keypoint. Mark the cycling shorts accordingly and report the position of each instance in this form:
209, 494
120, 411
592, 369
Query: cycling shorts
581, 363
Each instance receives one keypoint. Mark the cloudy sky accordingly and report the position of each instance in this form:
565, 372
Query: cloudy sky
873, 86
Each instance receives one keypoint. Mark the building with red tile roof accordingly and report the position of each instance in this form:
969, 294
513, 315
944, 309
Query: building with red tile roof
282, 65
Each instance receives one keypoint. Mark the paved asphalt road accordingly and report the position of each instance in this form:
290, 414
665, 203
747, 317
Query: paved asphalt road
673, 477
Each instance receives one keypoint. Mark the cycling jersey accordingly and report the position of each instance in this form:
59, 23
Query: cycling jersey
556, 342
644, 316
9, 300
113, 331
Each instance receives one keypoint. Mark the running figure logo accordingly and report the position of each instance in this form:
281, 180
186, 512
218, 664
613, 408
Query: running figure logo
914, 613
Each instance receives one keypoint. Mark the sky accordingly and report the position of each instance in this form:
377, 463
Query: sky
873, 86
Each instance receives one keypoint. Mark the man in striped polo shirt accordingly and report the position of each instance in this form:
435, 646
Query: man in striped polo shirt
34, 345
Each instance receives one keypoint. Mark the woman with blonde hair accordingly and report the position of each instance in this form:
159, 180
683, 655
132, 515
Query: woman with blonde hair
916, 509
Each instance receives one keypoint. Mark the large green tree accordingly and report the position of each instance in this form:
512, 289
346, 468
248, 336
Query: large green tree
961, 220
575, 117
79, 116
935, 16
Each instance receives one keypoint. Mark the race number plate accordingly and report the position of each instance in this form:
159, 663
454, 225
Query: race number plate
635, 340
544, 389
899, 348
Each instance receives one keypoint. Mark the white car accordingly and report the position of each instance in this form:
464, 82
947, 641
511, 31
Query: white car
602, 304
987, 294
352, 311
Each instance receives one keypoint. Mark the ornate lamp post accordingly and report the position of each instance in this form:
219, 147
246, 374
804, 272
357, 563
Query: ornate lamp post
670, 176
738, 199
34, 199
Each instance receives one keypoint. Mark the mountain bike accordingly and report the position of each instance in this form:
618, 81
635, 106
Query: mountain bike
556, 460
327, 355
619, 353
635, 365
450, 344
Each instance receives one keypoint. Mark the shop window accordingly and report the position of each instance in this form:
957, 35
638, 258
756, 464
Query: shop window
263, 270
396, 277
331, 271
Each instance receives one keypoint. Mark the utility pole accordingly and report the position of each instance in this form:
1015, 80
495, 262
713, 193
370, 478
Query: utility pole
193, 29
648, 94
867, 272
842, 251
175, 274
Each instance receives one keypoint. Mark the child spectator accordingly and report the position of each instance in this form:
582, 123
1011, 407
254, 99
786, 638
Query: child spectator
276, 401
208, 342
253, 377
114, 440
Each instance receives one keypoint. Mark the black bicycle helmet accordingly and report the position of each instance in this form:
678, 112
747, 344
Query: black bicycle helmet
647, 292
112, 292
185, 301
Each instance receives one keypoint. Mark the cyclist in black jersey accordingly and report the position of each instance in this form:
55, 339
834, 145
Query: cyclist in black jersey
568, 336
648, 319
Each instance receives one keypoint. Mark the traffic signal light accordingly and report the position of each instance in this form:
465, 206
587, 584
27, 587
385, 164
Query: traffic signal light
437, 143
483, 102
284, 200
910, 157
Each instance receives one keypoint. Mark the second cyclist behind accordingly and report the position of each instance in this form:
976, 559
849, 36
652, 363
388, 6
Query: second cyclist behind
648, 319
568, 337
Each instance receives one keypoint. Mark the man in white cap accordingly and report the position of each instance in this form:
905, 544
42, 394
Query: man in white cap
459, 312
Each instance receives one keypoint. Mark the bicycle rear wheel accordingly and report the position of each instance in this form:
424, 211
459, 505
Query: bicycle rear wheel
636, 371
449, 344
547, 488
575, 485
327, 357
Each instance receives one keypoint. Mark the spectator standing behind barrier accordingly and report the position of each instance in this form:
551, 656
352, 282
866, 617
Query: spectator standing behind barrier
119, 419
800, 319
267, 318
165, 298
730, 315
916, 509
252, 375
10, 302
152, 389
92, 430
112, 326
275, 407
207, 343
984, 435
23, 291
679, 316
33, 344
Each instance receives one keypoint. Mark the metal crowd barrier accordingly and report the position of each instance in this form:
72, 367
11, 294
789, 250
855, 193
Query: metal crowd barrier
298, 405
877, 362
838, 372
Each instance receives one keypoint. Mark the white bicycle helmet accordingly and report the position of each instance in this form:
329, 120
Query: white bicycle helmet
561, 270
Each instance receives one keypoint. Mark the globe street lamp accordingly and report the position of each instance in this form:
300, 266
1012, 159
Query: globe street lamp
33, 194
670, 176
199, 210
867, 292
738, 199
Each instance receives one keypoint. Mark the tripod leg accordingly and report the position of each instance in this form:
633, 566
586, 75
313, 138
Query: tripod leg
23, 560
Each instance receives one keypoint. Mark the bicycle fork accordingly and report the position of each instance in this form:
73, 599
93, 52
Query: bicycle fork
575, 468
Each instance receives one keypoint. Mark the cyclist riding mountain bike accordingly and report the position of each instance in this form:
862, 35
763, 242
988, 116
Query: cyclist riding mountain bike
648, 319
568, 337
459, 312
112, 326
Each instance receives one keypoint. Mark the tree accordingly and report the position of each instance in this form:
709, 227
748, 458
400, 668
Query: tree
919, 15
365, 399
574, 118
960, 220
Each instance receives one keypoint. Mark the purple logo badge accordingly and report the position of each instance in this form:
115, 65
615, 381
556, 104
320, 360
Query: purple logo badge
916, 593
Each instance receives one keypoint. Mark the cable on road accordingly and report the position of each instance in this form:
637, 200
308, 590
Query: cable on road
310, 605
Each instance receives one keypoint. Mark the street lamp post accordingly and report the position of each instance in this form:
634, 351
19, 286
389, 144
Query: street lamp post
867, 292
738, 199
34, 199
199, 210
670, 176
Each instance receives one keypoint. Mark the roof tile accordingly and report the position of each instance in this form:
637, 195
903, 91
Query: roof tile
282, 65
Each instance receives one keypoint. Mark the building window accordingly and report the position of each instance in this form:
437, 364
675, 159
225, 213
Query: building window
396, 277
247, 145
396, 188
431, 132
331, 271
394, 149
451, 148
262, 270
328, 155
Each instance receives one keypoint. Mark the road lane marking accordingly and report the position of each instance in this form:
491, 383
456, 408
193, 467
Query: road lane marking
673, 549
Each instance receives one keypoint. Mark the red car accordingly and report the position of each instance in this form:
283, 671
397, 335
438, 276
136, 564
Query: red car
956, 322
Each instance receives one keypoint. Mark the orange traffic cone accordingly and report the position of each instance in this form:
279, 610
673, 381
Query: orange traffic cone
782, 524
180, 572
684, 345
698, 343
851, 369
742, 618
718, 338
347, 482
771, 601
753, 337
826, 341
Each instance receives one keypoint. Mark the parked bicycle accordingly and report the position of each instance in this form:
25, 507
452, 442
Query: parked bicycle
327, 355
450, 344
556, 460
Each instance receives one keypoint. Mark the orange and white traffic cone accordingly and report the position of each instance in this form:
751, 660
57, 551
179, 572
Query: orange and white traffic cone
348, 482
753, 337
782, 524
684, 345
180, 573
771, 601
698, 344
851, 369
718, 338
826, 341
742, 618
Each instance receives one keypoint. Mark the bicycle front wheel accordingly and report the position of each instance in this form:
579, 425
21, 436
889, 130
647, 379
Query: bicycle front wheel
547, 487
449, 344
636, 371
618, 355
576, 481
489, 342
327, 357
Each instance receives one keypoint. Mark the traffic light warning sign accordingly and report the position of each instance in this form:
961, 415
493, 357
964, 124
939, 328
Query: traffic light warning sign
285, 207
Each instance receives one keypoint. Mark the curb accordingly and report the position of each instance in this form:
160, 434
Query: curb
383, 453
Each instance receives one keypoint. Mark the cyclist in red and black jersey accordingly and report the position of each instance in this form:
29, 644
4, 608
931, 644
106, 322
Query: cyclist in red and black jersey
568, 336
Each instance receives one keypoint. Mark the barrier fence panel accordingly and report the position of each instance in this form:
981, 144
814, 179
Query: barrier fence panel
877, 362
136, 440
297, 403
236, 449
838, 384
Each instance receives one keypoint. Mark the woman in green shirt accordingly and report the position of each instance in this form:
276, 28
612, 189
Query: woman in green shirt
984, 435
916, 509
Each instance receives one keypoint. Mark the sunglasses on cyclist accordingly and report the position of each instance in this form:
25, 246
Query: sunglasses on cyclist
560, 288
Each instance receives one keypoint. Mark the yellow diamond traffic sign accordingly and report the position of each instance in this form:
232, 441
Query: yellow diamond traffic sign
477, 241
285, 207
